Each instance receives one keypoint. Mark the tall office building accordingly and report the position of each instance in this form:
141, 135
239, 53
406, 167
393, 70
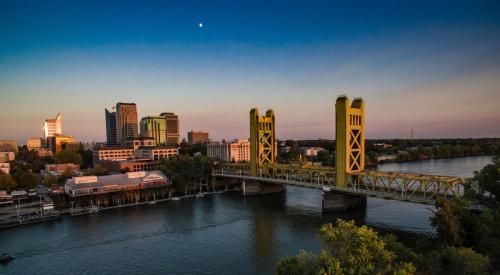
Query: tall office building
52, 126
154, 127
172, 121
111, 131
197, 137
58, 142
126, 123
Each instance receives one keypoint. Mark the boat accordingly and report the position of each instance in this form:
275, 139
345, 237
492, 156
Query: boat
5, 258
200, 195
151, 202
176, 199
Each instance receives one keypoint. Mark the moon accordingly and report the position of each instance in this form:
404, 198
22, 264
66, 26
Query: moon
200, 25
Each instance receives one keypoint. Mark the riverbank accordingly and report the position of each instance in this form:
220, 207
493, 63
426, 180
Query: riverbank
56, 214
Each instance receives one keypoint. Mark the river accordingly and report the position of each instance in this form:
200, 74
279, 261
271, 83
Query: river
216, 234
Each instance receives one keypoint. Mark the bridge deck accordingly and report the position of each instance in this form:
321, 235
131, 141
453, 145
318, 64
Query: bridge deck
389, 185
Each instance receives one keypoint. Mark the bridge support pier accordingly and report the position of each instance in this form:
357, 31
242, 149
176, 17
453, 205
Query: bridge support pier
336, 201
249, 188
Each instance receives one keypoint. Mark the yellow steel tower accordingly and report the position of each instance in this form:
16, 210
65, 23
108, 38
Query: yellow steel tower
349, 137
262, 139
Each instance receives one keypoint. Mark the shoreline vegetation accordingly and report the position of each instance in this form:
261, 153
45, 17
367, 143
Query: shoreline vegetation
379, 151
468, 242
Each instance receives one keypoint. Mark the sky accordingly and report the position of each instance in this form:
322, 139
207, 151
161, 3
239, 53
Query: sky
430, 66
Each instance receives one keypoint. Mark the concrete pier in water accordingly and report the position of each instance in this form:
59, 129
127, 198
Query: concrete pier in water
335, 201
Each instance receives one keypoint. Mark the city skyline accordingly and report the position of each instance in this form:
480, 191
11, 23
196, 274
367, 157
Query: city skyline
422, 66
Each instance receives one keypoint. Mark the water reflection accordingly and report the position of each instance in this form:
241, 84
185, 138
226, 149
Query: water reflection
219, 234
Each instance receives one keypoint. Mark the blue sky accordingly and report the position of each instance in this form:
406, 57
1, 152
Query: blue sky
429, 65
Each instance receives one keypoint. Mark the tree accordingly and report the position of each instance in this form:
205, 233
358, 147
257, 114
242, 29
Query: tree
51, 181
457, 226
447, 222
349, 250
488, 180
98, 170
325, 158
26, 180
6, 182
68, 156
455, 260
183, 169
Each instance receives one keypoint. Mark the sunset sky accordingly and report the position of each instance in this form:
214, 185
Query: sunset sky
432, 66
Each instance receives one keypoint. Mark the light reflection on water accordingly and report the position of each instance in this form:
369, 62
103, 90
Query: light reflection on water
219, 234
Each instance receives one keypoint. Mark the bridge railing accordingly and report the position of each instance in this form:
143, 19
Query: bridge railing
407, 184
401, 186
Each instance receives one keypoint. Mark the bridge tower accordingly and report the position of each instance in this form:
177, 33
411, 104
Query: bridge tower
349, 137
262, 140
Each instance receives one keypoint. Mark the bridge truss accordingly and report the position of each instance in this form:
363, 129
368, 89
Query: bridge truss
389, 185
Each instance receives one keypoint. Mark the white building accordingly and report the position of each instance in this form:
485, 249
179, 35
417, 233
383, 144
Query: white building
310, 151
90, 185
112, 153
156, 152
236, 151
143, 148
52, 126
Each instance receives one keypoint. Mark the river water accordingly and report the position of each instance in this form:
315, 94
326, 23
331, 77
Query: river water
216, 234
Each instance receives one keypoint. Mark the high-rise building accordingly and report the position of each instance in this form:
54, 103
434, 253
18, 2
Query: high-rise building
52, 126
111, 131
59, 142
126, 123
154, 127
172, 121
197, 137
164, 129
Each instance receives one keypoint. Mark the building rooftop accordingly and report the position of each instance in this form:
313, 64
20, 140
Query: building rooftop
136, 160
113, 148
158, 147
78, 186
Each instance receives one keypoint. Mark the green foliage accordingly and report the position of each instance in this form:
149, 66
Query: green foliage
183, 169
488, 180
6, 182
457, 226
304, 263
349, 250
403, 253
87, 158
98, 170
26, 180
447, 222
51, 181
455, 260
192, 149
325, 158
68, 156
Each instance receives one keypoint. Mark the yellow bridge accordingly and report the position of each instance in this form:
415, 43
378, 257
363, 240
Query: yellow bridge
388, 185
348, 177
